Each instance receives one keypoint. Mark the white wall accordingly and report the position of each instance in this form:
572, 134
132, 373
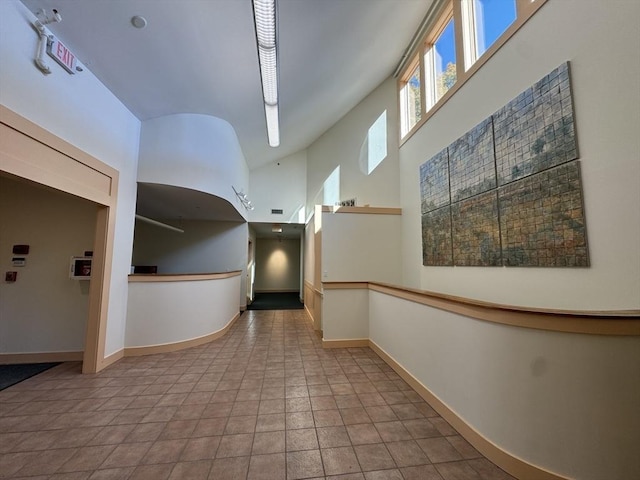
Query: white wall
593, 36
361, 247
564, 402
341, 146
203, 307
44, 310
82, 111
345, 314
277, 265
200, 152
309, 251
251, 266
279, 185
204, 247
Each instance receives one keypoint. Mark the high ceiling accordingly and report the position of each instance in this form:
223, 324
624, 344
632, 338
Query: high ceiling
200, 56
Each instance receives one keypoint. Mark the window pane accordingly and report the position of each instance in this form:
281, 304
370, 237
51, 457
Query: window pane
493, 17
444, 58
410, 101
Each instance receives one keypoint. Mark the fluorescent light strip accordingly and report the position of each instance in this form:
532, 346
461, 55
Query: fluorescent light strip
265, 19
273, 127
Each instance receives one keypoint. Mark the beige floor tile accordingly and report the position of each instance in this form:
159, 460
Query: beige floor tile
304, 464
267, 467
263, 401
393, 474
201, 448
198, 470
374, 457
87, 458
302, 439
363, 433
457, 471
235, 445
339, 460
271, 422
164, 451
407, 453
152, 472
421, 472
439, 450
268, 442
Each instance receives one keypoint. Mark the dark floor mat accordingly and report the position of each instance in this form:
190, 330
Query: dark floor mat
276, 301
12, 374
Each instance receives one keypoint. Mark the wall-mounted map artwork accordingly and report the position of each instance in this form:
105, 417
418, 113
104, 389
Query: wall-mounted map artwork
476, 231
535, 131
508, 192
436, 234
542, 221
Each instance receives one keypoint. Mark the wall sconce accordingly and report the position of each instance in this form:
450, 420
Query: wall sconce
246, 203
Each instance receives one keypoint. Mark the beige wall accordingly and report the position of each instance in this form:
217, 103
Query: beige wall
561, 401
204, 247
361, 247
80, 110
44, 310
591, 36
277, 265
279, 185
341, 146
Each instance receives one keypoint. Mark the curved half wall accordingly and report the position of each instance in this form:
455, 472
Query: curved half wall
194, 151
171, 312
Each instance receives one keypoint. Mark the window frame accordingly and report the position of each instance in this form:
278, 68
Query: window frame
467, 62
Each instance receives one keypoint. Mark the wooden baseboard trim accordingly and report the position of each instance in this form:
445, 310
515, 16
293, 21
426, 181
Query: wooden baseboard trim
310, 313
172, 347
348, 343
43, 357
513, 465
111, 359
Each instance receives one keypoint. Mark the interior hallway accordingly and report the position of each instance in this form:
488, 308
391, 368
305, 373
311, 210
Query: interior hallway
263, 402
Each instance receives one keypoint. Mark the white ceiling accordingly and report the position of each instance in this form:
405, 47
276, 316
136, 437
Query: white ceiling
200, 56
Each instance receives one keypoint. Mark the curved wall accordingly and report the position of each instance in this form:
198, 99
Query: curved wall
200, 152
563, 402
203, 304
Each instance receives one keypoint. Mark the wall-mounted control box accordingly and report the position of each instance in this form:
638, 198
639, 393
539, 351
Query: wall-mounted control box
80, 268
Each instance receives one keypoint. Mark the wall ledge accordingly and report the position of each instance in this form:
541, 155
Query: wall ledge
180, 277
366, 210
610, 322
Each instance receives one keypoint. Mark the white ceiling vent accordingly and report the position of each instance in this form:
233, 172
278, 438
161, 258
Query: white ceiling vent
276, 211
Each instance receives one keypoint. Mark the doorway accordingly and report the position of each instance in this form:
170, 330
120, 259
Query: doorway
278, 266
31, 153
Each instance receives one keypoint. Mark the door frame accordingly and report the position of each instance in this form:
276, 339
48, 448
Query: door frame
28, 151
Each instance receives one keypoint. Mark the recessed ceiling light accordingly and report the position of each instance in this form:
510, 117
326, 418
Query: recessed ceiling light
138, 21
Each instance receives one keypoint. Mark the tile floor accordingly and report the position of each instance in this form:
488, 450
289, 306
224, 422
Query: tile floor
263, 402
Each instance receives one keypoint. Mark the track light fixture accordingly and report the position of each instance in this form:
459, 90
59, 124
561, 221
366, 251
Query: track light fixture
244, 200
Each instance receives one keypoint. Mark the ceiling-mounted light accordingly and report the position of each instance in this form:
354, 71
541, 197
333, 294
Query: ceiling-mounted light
276, 228
264, 14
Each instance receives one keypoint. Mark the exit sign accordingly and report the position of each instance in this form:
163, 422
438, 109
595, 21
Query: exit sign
62, 55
